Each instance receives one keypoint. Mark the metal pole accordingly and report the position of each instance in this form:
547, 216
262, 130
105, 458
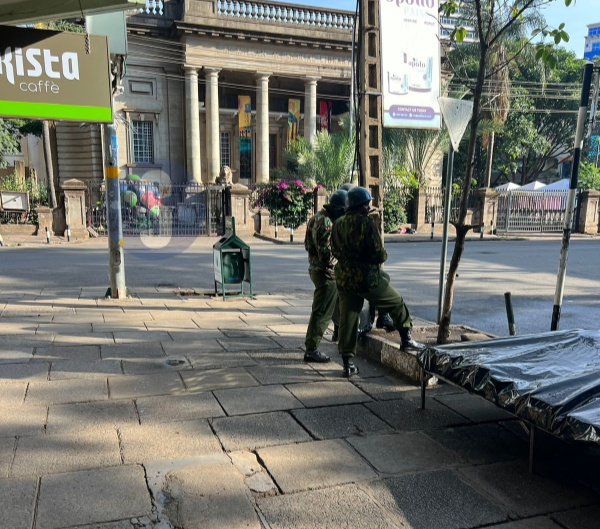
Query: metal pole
510, 315
564, 251
447, 205
352, 77
116, 261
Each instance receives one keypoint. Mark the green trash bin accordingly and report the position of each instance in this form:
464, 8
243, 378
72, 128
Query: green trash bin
232, 267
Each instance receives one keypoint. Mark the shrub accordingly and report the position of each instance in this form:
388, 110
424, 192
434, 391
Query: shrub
394, 214
289, 201
589, 176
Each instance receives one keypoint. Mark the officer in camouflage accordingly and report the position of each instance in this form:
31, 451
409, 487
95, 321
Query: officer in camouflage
358, 247
322, 273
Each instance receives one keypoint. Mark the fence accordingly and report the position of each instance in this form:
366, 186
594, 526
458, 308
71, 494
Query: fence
163, 210
531, 211
434, 204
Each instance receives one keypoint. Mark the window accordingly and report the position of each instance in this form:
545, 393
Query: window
225, 149
143, 142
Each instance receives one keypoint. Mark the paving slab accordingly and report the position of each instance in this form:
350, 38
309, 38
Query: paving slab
265, 319
78, 417
87, 353
384, 388
340, 421
285, 374
70, 369
119, 327
208, 345
151, 366
314, 465
18, 327
261, 399
406, 414
61, 329
120, 317
434, 500
481, 444
522, 494
474, 408
257, 431
16, 352
129, 351
220, 360
92, 338
319, 394
7, 446
22, 421
71, 319
583, 518
171, 440
289, 329
23, 372
179, 324
402, 452
66, 391
278, 357
135, 386
18, 503
210, 497
250, 332
334, 369
241, 344
66, 452
12, 393
90, 497
141, 337
123, 524
290, 341
345, 507
154, 410
203, 381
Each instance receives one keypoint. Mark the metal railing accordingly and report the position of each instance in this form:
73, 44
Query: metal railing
163, 210
434, 204
531, 211
281, 13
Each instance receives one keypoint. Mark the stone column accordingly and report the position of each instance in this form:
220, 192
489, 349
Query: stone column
262, 128
75, 213
213, 131
588, 217
192, 125
419, 204
310, 109
484, 212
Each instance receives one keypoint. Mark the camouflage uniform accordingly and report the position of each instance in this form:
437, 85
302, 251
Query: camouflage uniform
322, 273
357, 245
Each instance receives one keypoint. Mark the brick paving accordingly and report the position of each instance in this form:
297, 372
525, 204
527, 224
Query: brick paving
163, 412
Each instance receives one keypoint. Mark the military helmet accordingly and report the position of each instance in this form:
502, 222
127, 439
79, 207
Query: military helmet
347, 187
357, 196
338, 199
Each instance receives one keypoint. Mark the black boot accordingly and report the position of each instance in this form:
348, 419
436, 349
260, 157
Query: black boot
336, 333
407, 343
316, 356
384, 321
349, 368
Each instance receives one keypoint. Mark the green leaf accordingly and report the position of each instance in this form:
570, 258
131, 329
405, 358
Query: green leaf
562, 26
568, 2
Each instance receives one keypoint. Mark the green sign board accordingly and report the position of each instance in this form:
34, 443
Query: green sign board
50, 75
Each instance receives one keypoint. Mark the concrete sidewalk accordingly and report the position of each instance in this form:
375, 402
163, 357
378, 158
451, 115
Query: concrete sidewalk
165, 411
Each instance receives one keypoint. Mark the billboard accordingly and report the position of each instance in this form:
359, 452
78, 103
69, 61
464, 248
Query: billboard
49, 75
410, 64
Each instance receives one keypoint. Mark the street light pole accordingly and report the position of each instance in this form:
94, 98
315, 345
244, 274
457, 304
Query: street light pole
568, 224
447, 205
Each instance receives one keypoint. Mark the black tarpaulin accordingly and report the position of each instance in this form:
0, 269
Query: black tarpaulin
551, 380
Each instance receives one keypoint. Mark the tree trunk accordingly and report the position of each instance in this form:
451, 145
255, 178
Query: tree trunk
490, 159
48, 160
461, 229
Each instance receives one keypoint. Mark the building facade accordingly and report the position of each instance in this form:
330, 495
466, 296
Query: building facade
592, 42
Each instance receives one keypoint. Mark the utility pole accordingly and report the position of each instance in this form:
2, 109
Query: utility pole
569, 214
369, 100
116, 260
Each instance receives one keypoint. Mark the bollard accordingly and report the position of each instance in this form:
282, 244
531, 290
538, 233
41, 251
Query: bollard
492, 227
291, 234
510, 314
1, 241
276, 227
68, 233
47, 235
432, 228
481, 230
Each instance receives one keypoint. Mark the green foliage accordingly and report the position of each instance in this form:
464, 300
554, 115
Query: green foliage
589, 176
11, 131
329, 162
289, 201
38, 194
394, 214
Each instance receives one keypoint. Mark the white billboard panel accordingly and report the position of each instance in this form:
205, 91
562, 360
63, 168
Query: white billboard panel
410, 64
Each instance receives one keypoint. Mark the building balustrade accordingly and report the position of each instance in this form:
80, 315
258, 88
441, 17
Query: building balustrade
280, 13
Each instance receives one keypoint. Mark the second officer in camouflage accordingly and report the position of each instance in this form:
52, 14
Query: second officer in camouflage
322, 273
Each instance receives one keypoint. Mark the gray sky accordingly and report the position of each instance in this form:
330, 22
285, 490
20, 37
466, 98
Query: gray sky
576, 17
